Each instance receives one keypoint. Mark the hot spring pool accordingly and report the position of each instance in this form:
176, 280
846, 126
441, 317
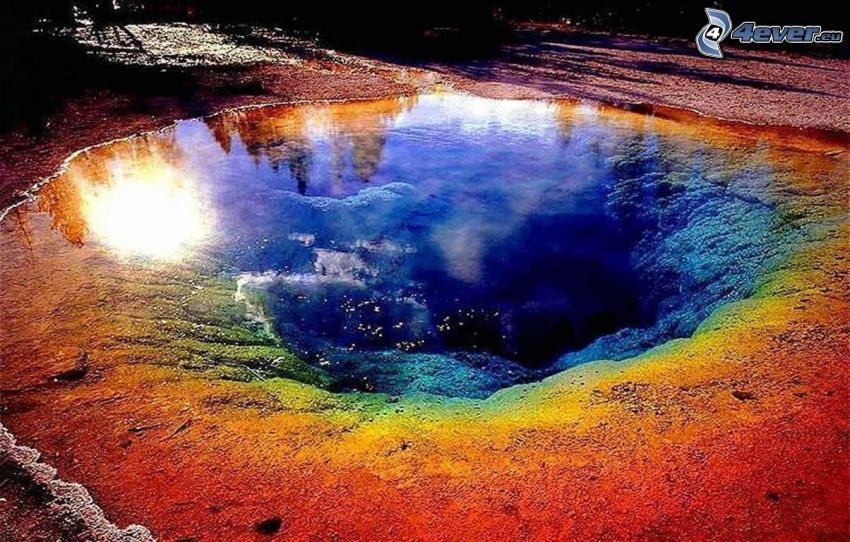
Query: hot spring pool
445, 244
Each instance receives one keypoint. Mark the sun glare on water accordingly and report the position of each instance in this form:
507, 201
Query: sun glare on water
152, 212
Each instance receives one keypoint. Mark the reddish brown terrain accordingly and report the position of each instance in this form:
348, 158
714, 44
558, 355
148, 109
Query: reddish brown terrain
738, 433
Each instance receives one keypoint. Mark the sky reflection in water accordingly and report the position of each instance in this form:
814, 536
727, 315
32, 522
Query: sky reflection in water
448, 244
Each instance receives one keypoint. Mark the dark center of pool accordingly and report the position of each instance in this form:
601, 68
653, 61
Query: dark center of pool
457, 245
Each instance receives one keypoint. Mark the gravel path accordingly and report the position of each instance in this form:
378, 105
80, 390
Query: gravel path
754, 86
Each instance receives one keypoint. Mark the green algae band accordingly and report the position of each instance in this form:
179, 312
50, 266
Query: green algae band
443, 244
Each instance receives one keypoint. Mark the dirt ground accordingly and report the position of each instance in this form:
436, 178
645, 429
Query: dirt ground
758, 87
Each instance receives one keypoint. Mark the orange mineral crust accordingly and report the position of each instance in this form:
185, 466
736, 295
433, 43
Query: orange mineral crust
142, 382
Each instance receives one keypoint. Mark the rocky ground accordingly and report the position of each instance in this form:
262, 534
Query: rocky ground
758, 87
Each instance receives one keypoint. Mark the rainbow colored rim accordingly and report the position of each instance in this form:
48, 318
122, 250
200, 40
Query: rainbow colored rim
738, 432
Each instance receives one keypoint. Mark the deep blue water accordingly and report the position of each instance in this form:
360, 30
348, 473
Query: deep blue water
457, 245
